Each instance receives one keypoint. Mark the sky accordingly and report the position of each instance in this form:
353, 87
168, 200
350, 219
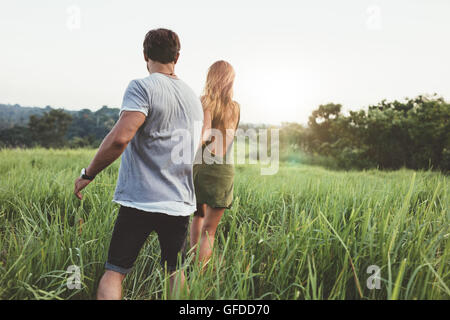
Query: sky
289, 56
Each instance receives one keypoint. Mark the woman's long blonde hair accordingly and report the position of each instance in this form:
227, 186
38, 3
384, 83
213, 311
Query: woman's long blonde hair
218, 95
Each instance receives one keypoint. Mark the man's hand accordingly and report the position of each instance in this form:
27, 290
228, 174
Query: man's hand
80, 184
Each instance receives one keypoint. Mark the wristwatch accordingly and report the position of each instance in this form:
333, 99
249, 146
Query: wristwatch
85, 176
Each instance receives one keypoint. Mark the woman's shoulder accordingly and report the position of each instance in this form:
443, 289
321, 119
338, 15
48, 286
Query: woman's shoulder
205, 106
235, 113
236, 107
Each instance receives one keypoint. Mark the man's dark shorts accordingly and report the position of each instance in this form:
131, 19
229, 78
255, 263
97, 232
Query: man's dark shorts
132, 228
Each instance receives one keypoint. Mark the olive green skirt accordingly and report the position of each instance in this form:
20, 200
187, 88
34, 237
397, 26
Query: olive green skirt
214, 184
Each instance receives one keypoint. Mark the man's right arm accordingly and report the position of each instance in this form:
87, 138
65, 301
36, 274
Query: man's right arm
112, 146
116, 141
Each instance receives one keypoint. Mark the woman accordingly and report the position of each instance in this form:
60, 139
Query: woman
214, 177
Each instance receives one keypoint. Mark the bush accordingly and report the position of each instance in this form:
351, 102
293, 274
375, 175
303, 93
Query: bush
413, 134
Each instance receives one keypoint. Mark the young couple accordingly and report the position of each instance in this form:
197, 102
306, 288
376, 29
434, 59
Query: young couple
156, 193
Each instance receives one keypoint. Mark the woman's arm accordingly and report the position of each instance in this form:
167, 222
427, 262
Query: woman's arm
206, 129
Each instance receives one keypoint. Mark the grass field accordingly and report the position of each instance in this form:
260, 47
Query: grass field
305, 233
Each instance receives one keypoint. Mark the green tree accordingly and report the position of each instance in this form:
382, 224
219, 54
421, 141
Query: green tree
321, 136
414, 133
17, 136
50, 129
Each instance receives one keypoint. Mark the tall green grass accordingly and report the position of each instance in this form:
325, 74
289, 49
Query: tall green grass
304, 233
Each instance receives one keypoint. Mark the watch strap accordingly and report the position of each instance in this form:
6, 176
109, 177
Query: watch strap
85, 176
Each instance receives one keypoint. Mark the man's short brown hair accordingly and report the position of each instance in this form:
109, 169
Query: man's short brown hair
161, 45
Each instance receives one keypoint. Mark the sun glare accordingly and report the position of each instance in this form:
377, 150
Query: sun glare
275, 96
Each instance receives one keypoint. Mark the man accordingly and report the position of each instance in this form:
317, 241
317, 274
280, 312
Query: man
155, 192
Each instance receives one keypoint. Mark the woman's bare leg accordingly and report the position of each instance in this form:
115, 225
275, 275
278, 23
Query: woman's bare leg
208, 232
177, 284
196, 225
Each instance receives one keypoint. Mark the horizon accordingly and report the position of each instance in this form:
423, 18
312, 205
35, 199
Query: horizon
71, 54
344, 111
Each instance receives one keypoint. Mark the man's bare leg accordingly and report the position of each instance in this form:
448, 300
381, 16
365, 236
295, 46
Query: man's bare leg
110, 286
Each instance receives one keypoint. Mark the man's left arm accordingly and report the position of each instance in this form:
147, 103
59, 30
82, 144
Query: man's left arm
112, 146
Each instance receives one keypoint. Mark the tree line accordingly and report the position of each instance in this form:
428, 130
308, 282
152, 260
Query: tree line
56, 128
414, 133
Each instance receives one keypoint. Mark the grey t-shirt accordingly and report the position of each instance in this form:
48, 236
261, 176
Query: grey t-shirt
155, 174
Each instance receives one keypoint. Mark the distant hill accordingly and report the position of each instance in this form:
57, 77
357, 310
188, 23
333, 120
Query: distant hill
86, 128
16, 115
95, 124
85, 123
